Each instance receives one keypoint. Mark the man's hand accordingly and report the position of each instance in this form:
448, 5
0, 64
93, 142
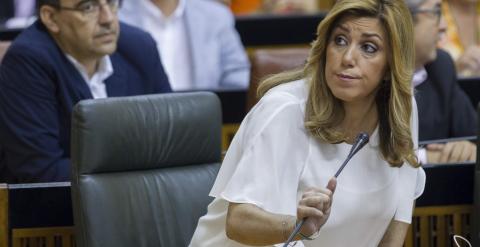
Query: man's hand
451, 152
468, 64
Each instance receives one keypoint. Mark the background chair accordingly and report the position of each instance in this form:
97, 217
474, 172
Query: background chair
143, 167
268, 61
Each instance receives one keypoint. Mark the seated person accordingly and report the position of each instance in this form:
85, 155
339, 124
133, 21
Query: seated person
462, 37
280, 166
444, 109
77, 50
197, 39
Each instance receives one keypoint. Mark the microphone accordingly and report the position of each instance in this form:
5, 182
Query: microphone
361, 140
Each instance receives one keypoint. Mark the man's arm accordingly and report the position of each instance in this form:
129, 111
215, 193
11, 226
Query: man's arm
233, 61
452, 152
462, 118
29, 119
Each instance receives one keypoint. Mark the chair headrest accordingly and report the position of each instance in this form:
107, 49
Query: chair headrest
145, 132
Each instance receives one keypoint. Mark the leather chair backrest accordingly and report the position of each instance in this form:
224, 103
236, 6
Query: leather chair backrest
3, 49
142, 168
268, 61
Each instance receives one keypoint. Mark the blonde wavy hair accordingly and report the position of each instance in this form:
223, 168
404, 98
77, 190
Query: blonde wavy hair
324, 112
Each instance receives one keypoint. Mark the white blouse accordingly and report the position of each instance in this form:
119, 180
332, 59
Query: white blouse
273, 159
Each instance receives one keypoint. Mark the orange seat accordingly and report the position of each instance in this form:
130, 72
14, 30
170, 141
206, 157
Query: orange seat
268, 61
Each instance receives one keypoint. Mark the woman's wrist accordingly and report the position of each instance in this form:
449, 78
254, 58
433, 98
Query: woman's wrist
309, 235
288, 225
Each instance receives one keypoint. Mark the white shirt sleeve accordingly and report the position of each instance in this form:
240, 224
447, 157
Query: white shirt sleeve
422, 156
266, 158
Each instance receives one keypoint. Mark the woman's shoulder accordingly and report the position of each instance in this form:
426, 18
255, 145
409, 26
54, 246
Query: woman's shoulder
283, 104
290, 92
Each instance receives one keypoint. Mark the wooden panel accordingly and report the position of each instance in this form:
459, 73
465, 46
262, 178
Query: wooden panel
457, 224
50, 241
424, 231
18, 242
68, 242
441, 230
443, 210
42, 232
43, 237
437, 224
3, 215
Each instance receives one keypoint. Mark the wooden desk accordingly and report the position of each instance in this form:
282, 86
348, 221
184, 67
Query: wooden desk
41, 214
36, 215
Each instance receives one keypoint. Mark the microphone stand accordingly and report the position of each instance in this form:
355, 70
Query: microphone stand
359, 143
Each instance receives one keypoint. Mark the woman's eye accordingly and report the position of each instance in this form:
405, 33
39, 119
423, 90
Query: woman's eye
339, 40
369, 48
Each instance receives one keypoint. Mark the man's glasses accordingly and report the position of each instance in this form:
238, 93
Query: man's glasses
436, 11
91, 8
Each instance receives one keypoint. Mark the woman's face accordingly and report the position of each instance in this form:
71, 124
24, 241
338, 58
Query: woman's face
356, 58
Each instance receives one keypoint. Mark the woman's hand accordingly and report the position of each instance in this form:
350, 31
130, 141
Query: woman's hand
315, 207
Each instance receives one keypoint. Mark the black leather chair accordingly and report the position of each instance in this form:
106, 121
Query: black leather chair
142, 168
268, 61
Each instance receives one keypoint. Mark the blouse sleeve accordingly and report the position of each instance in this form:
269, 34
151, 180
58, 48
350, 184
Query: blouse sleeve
412, 179
267, 156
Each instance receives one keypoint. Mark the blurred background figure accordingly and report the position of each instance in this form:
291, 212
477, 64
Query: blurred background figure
76, 50
198, 43
245, 7
290, 6
463, 43
242, 7
444, 109
17, 13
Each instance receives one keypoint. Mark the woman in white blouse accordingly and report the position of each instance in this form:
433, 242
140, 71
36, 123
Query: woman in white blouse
280, 165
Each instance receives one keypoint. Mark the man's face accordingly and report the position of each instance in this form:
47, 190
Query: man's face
429, 26
87, 34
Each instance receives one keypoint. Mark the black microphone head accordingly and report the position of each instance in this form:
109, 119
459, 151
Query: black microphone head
361, 140
362, 137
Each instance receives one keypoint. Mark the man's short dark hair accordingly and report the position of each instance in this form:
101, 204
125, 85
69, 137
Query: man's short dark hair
47, 2
40, 3
412, 6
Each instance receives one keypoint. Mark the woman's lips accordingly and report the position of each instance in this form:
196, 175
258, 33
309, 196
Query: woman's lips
347, 77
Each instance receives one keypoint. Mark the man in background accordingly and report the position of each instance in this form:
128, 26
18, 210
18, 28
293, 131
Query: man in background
76, 50
444, 110
197, 40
